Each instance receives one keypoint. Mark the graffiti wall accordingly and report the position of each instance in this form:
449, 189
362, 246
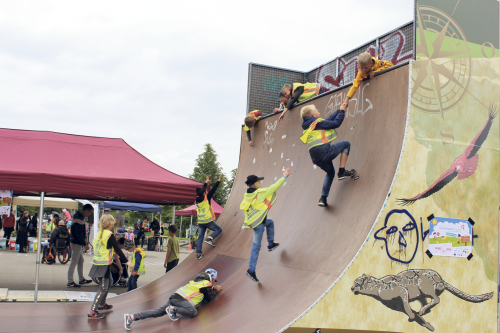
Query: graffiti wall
447, 180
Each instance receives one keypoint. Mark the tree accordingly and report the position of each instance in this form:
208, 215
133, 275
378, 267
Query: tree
230, 183
207, 164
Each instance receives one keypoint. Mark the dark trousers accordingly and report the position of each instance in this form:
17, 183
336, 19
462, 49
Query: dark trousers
171, 265
132, 282
137, 238
182, 307
102, 293
6, 233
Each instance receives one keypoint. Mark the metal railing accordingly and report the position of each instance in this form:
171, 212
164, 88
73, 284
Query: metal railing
265, 82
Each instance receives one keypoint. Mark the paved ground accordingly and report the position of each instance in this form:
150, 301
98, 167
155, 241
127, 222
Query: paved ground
18, 272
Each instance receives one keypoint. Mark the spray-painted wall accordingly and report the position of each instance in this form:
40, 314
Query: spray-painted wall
449, 168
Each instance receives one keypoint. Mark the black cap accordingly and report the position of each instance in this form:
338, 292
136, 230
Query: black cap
252, 179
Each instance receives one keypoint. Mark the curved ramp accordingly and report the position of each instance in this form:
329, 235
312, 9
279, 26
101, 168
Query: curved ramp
317, 245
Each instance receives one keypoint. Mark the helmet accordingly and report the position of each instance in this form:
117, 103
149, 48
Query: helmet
212, 273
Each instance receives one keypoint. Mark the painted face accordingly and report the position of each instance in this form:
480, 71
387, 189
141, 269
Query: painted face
358, 284
400, 234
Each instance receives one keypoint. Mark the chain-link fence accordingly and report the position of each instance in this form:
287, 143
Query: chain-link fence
265, 82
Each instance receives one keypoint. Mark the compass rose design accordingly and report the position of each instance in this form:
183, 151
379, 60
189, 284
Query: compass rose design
444, 65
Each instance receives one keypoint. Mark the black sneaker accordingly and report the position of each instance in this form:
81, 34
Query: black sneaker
273, 247
198, 256
95, 315
209, 241
171, 313
85, 281
74, 285
105, 308
252, 276
346, 173
128, 321
322, 202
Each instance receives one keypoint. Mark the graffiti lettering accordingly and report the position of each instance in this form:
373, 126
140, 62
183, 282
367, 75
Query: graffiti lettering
275, 84
357, 104
268, 135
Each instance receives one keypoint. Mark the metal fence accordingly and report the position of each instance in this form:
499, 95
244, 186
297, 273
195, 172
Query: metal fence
265, 82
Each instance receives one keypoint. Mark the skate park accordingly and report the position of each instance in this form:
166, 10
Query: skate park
375, 235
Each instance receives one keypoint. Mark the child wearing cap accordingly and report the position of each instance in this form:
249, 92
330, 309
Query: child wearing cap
256, 204
317, 135
368, 66
250, 120
206, 216
184, 300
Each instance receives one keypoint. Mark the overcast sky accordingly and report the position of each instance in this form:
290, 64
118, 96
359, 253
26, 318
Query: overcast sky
166, 76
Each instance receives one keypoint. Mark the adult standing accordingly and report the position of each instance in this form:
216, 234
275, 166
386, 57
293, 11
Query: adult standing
33, 225
22, 232
140, 232
78, 244
155, 227
8, 225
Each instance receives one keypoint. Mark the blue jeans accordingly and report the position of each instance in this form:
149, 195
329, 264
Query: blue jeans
258, 232
201, 233
132, 282
326, 163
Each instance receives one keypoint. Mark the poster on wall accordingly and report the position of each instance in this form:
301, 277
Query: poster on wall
5, 201
450, 237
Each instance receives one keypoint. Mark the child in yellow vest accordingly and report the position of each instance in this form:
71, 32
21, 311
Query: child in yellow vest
184, 300
318, 133
250, 120
368, 66
206, 216
139, 267
300, 92
105, 249
256, 204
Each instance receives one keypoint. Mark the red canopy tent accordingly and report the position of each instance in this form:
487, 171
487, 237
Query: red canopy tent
75, 166
191, 210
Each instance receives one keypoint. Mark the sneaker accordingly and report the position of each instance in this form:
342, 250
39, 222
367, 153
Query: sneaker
74, 285
84, 281
171, 313
346, 173
252, 276
198, 256
273, 247
95, 315
209, 241
105, 307
322, 202
128, 321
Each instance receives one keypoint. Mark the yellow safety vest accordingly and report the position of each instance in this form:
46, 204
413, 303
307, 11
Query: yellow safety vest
49, 227
310, 90
142, 269
191, 291
313, 138
102, 256
257, 212
254, 114
204, 211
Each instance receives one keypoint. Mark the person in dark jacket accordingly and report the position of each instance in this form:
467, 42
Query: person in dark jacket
32, 228
317, 131
22, 233
78, 245
140, 232
183, 300
155, 227
60, 232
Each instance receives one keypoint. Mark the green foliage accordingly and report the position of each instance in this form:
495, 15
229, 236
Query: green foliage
207, 164
230, 183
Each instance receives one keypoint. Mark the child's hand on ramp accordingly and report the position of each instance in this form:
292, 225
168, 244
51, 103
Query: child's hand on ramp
287, 172
282, 115
250, 143
218, 288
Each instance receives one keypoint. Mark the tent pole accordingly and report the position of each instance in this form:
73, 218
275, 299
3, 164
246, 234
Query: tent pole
190, 228
173, 215
180, 229
42, 197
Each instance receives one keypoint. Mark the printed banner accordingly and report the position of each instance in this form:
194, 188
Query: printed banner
5, 201
450, 237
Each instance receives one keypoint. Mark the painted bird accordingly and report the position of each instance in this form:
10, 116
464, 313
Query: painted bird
463, 167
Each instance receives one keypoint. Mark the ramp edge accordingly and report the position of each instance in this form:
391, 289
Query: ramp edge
408, 103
